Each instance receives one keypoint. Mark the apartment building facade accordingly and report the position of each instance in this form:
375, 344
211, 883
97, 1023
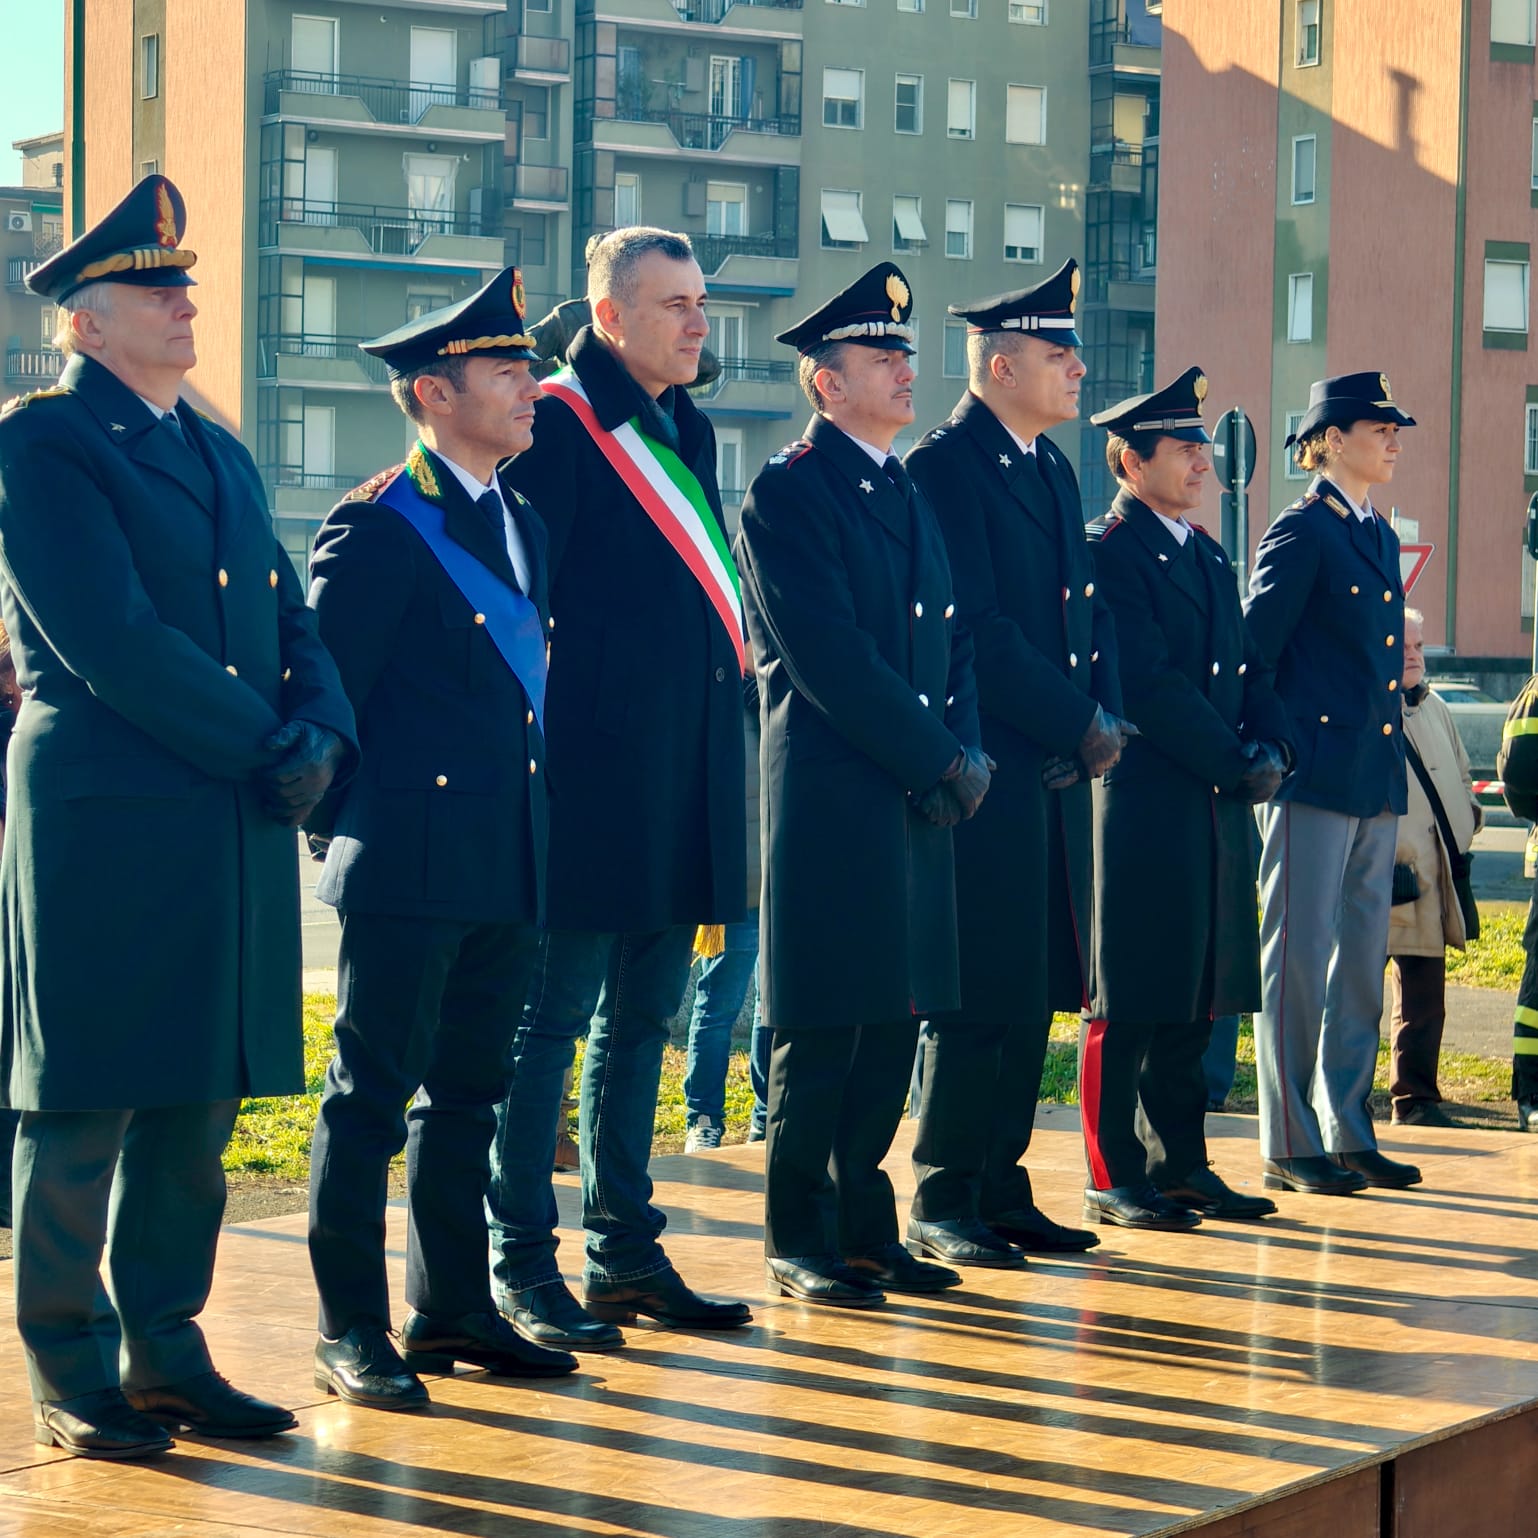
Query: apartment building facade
31, 230
1340, 193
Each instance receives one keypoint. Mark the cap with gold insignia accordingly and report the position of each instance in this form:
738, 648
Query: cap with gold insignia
489, 324
1345, 399
138, 242
1045, 310
1173, 412
872, 311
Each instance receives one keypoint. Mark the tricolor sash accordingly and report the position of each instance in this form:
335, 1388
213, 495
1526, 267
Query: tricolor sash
673, 499
511, 619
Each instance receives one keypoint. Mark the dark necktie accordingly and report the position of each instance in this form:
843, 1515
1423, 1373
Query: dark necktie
898, 476
490, 505
174, 423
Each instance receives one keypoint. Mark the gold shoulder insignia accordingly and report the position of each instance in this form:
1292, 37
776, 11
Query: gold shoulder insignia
1334, 505
373, 485
420, 468
16, 402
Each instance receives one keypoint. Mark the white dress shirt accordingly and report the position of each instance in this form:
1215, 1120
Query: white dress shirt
475, 490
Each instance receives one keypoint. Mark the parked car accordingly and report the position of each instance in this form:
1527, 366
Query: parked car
1478, 717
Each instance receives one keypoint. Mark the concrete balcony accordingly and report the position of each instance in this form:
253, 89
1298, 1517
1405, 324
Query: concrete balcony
387, 236
764, 264
544, 60
544, 189
766, 18
296, 493
365, 103
755, 140
763, 388
1118, 166
314, 362
32, 368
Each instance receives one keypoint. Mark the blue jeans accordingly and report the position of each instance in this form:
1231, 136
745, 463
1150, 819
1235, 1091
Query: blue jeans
718, 999
622, 990
759, 1045
1218, 1059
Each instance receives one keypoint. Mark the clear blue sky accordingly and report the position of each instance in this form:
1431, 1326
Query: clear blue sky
32, 98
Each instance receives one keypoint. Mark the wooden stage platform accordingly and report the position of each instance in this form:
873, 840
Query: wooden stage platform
1358, 1368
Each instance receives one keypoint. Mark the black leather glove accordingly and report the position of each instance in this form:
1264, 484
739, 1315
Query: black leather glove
1059, 773
1102, 742
968, 779
1267, 769
938, 805
306, 759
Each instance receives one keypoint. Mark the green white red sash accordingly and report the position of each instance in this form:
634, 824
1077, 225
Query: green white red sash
673, 499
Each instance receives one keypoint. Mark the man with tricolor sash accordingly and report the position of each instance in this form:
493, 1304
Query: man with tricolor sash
646, 773
429, 583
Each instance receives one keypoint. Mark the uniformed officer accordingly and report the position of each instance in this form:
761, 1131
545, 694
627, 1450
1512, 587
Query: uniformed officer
1326, 610
870, 753
175, 697
1175, 935
429, 583
1008, 505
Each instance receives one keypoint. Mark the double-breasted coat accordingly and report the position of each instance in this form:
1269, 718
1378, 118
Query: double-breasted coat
446, 817
867, 696
1045, 658
1176, 936
149, 908
644, 705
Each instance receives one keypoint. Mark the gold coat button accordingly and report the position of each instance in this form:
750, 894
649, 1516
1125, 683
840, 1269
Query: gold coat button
1388, 730
1243, 668
1066, 595
1388, 596
287, 674
1094, 656
224, 577
528, 720
1393, 684
918, 611
532, 766
230, 669
272, 578
1388, 640
1324, 720
1355, 589
950, 609
923, 699
551, 622
480, 619
441, 781
1217, 667
1089, 591
1073, 659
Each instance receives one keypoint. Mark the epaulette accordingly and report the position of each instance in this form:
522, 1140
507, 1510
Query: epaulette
1098, 530
935, 434
420, 468
17, 402
374, 485
1306, 500
1334, 504
790, 453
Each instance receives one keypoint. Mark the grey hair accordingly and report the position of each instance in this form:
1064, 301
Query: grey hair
827, 355
451, 370
96, 297
1414, 615
984, 346
612, 262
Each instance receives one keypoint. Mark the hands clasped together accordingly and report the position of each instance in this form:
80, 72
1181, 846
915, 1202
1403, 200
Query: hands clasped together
306, 759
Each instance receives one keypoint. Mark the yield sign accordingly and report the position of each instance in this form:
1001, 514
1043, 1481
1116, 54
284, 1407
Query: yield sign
1412, 562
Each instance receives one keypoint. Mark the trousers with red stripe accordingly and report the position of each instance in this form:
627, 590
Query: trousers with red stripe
1143, 1102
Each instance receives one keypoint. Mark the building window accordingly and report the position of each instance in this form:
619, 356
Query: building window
910, 104
843, 98
1025, 115
1530, 453
1505, 296
846, 2
1308, 32
726, 208
1304, 149
1291, 469
730, 463
148, 168
1022, 232
1511, 21
537, 5
958, 227
536, 112
627, 199
964, 8
953, 365
419, 301
961, 109
913, 7
1027, 13
843, 225
728, 331
149, 65
312, 51
907, 225
1535, 154
50, 319
1300, 307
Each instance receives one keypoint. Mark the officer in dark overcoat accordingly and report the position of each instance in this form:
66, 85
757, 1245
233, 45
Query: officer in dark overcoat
647, 837
429, 584
870, 753
1008, 504
1176, 940
179, 716
1326, 609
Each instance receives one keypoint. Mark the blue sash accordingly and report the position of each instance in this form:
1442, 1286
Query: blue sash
512, 621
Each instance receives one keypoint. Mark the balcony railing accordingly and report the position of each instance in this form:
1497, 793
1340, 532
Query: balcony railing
538, 55
314, 345
747, 371
390, 101
1120, 152
540, 184
27, 366
711, 251
309, 480
388, 231
706, 130
714, 11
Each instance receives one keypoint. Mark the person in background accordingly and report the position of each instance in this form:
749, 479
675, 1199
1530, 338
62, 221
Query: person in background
10, 704
1220, 1060
1426, 916
1516, 767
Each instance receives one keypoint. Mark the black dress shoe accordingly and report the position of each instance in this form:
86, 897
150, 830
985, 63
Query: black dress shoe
665, 1297
1205, 1192
101, 1424
363, 1367
1316, 1175
1421, 1113
1377, 1170
894, 1269
486, 1341
550, 1316
1136, 1207
211, 1407
1033, 1231
821, 1279
1527, 1116
964, 1242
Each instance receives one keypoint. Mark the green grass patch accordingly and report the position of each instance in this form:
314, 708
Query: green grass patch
1496, 958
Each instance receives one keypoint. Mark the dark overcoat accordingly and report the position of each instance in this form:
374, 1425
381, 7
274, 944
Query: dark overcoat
867, 696
149, 909
644, 710
1176, 935
1326, 608
1046, 656
446, 817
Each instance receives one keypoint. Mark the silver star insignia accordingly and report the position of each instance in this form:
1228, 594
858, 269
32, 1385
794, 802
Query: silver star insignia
866, 487
939, 432
117, 427
1005, 460
1163, 557
776, 459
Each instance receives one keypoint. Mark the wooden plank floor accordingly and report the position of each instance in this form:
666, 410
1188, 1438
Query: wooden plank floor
1145, 1388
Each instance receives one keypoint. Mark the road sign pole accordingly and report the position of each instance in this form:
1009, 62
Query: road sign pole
1242, 501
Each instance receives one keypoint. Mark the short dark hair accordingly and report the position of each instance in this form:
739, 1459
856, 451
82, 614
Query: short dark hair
611, 263
451, 370
1142, 444
824, 355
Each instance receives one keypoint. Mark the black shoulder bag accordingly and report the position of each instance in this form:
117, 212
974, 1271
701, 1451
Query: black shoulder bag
1462, 865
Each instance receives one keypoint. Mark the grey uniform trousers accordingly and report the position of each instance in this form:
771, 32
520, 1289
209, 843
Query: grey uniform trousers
1325, 881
